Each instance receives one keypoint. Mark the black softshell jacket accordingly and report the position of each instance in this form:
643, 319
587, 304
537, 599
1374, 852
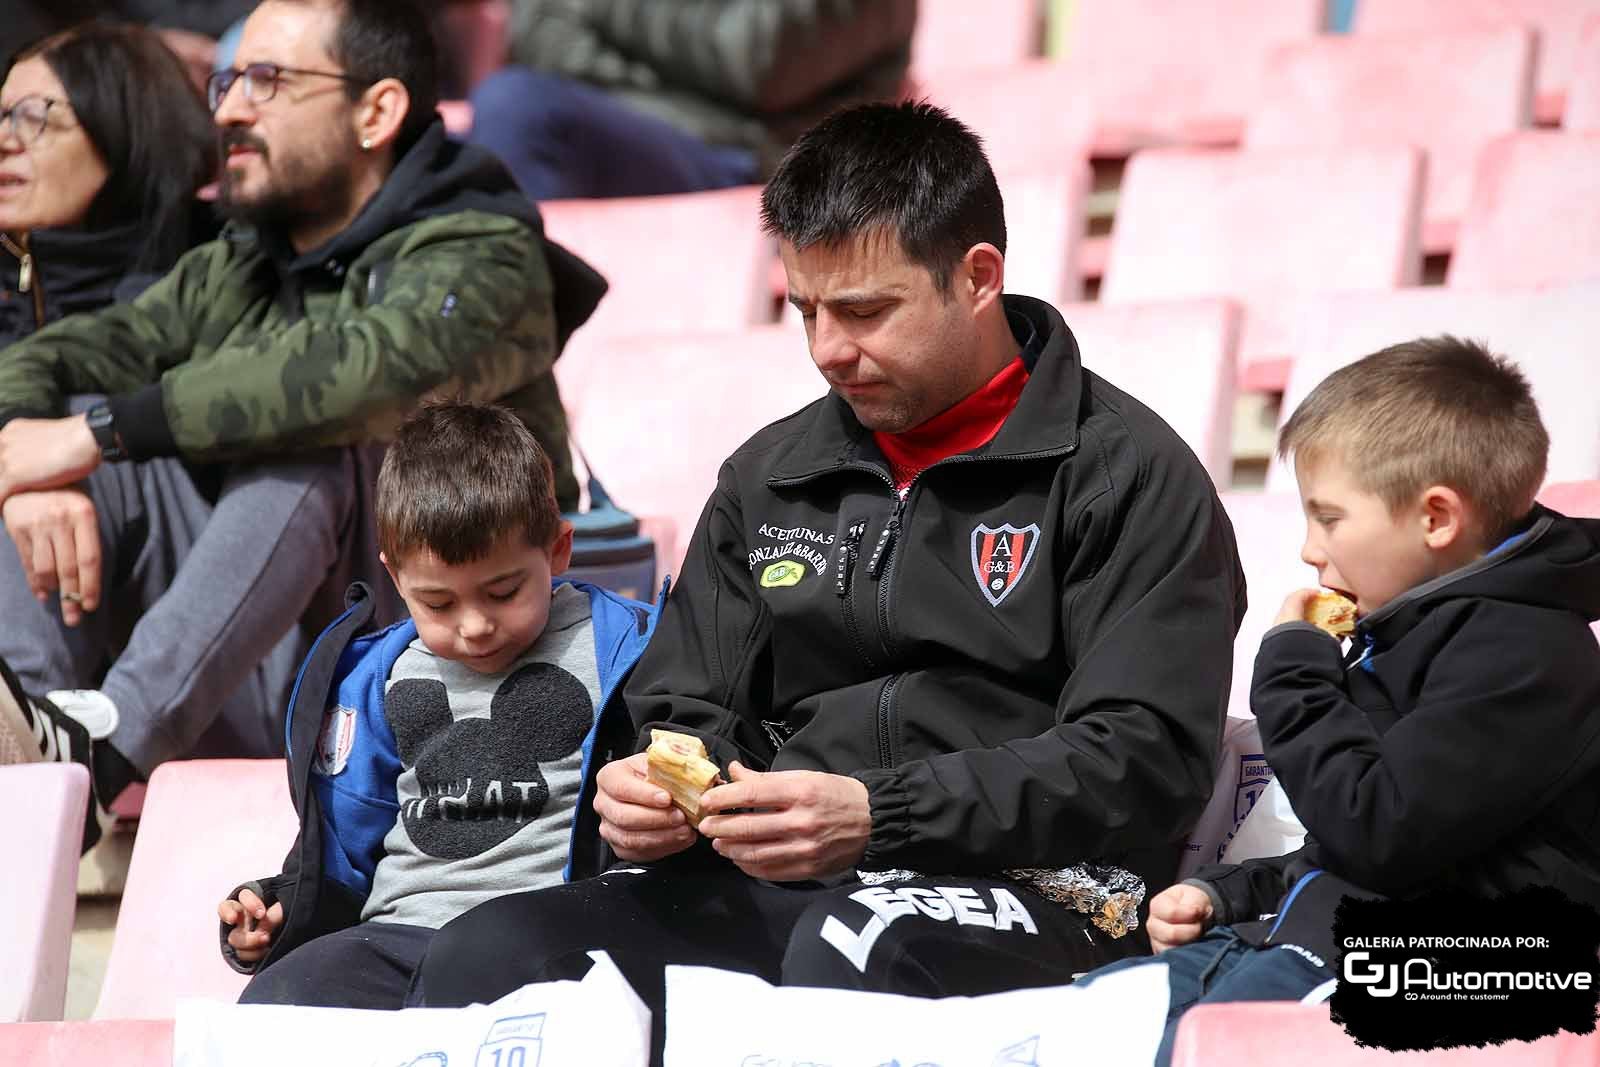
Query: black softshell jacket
1455, 746
1071, 713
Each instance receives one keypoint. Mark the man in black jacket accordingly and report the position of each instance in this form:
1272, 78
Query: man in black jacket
967, 618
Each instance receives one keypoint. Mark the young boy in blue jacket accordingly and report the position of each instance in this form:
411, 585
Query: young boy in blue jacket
449, 758
1455, 745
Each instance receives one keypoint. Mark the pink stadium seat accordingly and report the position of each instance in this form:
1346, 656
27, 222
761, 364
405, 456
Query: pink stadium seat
1262, 227
1269, 529
1582, 113
676, 264
1177, 358
1044, 227
962, 35
1549, 332
207, 826
1573, 498
1559, 23
1448, 93
124, 1042
1029, 114
1534, 215
658, 415
1225, 1035
44, 805
1168, 70
1137, 73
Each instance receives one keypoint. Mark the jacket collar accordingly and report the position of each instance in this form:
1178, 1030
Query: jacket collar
1044, 423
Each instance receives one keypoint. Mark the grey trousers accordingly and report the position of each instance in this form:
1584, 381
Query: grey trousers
206, 609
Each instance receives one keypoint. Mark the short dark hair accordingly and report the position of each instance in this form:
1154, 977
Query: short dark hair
1434, 411
148, 121
458, 478
379, 39
909, 169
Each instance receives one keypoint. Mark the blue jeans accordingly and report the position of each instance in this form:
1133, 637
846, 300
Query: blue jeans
1221, 968
563, 139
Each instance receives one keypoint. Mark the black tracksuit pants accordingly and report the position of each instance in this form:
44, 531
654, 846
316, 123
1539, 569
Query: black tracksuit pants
933, 937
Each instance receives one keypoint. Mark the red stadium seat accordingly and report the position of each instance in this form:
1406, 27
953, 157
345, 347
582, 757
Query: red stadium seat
1448, 93
1262, 227
1029, 114
1549, 332
955, 35
1559, 23
207, 826
1582, 113
1573, 498
124, 1042
1044, 228
1177, 358
44, 805
658, 415
1534, 216
675, 264
1226, 1035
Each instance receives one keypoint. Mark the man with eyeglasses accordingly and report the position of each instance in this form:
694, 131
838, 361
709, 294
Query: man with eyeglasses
203, 455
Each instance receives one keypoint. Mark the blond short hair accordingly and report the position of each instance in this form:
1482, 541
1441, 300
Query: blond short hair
1434, 411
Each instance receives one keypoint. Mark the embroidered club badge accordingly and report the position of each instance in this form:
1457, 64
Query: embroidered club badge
1000, 557
337, 738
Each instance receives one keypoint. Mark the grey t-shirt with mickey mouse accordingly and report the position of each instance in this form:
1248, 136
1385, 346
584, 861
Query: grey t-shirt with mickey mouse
492, 771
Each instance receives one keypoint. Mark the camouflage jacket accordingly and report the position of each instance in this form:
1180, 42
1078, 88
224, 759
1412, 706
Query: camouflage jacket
443, 284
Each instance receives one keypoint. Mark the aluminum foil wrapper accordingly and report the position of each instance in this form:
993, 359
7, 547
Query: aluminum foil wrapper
1109, 895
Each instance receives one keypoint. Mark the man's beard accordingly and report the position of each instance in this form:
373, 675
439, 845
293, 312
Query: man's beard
298, 191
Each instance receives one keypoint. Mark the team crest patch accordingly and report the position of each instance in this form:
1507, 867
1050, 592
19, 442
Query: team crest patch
1000, 557
782, 574
337, 738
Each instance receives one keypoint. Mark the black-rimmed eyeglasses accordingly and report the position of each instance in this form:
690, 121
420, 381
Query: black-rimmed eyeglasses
260, 81
28, 117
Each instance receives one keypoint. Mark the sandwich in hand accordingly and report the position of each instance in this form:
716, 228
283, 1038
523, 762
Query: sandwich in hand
1333, 613
677, 763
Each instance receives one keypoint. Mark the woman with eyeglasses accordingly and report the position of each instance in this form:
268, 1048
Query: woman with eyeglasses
104, 143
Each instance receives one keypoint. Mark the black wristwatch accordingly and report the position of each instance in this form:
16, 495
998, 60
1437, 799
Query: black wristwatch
103, 425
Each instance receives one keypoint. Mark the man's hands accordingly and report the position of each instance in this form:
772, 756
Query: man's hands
254, 925
637, 818
45, 453
58, 541
1178, 915
805, 824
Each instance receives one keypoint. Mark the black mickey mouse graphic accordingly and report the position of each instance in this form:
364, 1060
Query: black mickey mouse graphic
479, 778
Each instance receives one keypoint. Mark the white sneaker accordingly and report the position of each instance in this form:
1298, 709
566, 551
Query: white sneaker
35, 730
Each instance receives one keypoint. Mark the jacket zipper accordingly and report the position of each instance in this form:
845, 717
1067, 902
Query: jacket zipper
881, 567
844, 567
25, 278
885, 702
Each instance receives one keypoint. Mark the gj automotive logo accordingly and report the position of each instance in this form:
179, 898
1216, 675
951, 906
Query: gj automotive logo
1450, 970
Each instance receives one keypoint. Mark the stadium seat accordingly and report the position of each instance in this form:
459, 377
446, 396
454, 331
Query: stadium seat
207, 826
1270, 529
1573, 498
1448, 93
1044, 228
1534, 215
1261, 227
956, 35
1559, 23
1582, 114
1136, 73
1224, 1035
124, 1042
692, 262
1163, 71
1548, 331
1029, 115
1177, 358
658, 415
44, 805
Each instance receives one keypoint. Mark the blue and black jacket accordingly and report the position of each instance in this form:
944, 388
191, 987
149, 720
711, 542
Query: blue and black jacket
344, 818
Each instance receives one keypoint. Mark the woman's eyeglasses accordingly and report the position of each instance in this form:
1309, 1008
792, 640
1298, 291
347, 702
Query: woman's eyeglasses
28, 117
